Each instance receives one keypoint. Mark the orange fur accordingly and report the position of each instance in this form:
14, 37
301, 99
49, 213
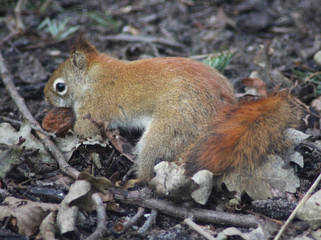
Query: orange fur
242, 135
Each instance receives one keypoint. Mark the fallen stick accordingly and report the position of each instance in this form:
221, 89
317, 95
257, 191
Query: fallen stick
142, 198
189, 222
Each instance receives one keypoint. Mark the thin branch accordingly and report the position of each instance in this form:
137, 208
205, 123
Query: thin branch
12, 121
197, 228
19, 23
130, 222
142, 198
101, 229
308, 79
300, 205
149, 222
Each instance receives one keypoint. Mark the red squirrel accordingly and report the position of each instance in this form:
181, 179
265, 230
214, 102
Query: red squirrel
187, 109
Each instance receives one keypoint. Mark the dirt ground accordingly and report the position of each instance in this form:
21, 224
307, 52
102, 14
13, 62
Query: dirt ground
158, 28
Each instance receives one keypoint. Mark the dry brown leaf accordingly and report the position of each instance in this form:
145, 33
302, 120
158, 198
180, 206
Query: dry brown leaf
79, 196
48, 227
27, 214
98, 184
258, 183
256, 83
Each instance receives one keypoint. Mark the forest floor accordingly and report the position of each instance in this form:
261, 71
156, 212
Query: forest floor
278, 39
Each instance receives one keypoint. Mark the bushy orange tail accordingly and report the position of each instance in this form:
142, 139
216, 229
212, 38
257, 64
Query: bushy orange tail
242, 135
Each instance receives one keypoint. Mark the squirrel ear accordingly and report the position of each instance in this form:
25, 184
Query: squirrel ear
79, 59
80, 49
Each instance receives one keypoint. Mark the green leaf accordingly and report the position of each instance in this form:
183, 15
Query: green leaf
220, 61
57, 30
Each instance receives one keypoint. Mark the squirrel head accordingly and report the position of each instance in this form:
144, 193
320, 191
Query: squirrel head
71, 78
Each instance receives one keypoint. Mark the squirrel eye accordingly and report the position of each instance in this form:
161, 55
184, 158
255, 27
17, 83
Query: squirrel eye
60, 86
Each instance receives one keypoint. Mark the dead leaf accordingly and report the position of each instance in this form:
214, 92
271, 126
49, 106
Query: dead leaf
256, 83
9, 136
67, 218
294, 157
258, 184
79, 196
8, 159
28, 214
170, 181
295, 137
272, 77
257, 234
98, 184
68, 144
204, 180
311, 211
273, 173
48, 227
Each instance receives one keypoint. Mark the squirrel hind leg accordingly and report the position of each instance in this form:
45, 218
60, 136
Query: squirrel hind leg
161, 141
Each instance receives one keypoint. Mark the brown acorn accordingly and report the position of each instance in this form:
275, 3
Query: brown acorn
59, 120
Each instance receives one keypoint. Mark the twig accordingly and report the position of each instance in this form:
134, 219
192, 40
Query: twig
130, 222
311, 76
143, 39
301, 203
306, 108
121, 227
143, 198
101, 229
19, 23
148, 223
12, 121
198, 229
49, 134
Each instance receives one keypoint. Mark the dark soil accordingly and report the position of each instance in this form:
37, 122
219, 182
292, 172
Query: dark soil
291, 28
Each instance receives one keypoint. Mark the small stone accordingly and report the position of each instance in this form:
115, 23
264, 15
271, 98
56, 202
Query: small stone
317, 57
